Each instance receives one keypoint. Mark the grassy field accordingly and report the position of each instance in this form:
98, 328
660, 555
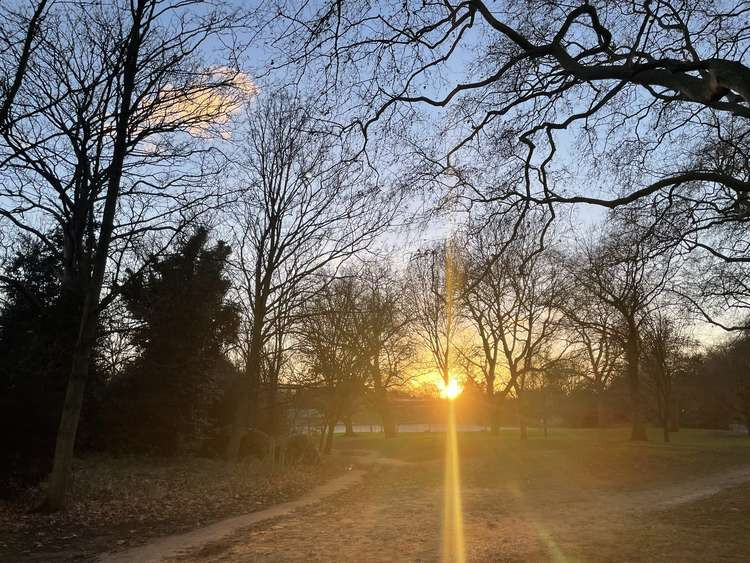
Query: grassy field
579, 495
583, 495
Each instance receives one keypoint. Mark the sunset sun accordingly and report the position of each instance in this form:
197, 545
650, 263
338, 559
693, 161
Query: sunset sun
450, 390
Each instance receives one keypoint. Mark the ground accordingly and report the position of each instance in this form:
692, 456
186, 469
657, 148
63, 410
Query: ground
577, 496
584, 495
119, 502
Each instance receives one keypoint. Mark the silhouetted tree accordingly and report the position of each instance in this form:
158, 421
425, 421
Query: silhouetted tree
433, 300
663, 349
484, 95
106, 139
627, 271
592, 336
163, 400
306, 205
512, 301
334, 361
37, 332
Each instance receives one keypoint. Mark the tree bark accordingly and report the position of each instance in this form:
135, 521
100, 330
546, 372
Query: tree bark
248, 395
329, 437
544, 409
349, 426
386, 414
522, 426
521, 402
495, 419
71, 413
68, 428
599, 409
632, 358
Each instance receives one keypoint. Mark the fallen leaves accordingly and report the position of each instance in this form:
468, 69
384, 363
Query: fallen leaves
125, 501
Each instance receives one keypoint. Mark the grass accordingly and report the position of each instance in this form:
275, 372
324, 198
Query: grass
579, 495
121, 502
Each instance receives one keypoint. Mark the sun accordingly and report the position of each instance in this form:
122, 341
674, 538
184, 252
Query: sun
450, 390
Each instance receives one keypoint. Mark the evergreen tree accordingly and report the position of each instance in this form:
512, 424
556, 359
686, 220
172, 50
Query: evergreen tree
165, 401
37, 331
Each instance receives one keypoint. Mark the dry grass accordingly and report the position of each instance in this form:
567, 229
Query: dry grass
126, 501
579, 496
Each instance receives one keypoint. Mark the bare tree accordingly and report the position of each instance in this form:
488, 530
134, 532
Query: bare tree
594, 342
433, 285
334, 359
104, 142
508, 104
512, 301
306, 206
543, 103
733, 359
19, 32
385, 337
664, 344
627, 272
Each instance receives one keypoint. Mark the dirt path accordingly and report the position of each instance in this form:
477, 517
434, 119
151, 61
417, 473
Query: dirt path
392, 512
392, 515
174, 545
687, 491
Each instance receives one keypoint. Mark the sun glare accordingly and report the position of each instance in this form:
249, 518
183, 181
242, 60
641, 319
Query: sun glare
450, 390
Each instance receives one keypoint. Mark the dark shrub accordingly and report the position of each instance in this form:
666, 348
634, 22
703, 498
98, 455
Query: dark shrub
254, 443
300, 448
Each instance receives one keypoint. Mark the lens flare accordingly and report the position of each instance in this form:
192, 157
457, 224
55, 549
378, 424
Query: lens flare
453, 521
450, 390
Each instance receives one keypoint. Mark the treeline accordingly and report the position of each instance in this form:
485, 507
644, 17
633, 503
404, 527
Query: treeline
185, 249
169, 389
528, 332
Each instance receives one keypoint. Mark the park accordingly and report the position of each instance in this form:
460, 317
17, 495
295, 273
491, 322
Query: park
374, 280
578, 495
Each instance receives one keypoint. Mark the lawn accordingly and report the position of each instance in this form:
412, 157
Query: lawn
580, 495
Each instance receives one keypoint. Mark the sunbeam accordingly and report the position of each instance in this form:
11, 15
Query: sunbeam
453, 528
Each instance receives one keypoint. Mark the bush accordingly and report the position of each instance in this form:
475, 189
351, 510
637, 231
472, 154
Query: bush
300, 448
254, 443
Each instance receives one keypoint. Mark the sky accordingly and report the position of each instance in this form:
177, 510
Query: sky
259, 51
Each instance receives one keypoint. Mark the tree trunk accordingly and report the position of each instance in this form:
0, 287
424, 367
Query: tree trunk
522, 415
494, 404
329, 437
599, 422
544, 408
383, 406
495, 419
349, 426
71, 414
248, 395
632, 358
323, 434
389, 424
68, 428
